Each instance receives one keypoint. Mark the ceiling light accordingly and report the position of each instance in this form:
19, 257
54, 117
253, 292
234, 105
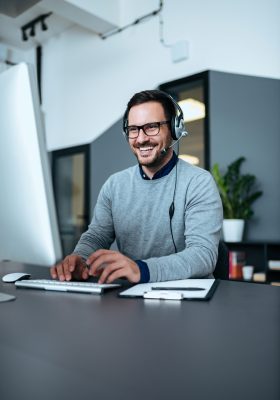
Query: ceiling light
192, 109
24, 35
32, 31
44, 26
32, 26
190, 159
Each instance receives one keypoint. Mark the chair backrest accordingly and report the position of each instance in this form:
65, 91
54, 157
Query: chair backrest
222, 265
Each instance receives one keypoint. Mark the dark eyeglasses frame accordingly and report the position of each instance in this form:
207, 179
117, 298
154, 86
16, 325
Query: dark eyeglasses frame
144, 127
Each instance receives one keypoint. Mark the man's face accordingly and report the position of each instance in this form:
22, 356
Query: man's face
148, 149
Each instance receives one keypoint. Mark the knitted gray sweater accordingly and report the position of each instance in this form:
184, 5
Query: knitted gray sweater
135, 212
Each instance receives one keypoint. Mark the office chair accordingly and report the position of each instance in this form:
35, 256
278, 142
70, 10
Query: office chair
222, 266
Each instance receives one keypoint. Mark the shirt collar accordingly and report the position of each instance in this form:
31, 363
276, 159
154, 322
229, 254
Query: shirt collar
163, 171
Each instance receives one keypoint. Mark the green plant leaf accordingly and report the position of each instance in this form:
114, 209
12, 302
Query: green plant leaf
237, 191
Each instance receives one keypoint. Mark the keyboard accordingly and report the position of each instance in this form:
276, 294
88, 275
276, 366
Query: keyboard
80, 287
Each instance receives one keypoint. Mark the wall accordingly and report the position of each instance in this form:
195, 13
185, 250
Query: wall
108, 154
12, 55
245, 121
87, 81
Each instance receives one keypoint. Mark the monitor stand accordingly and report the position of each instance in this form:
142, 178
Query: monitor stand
6, 297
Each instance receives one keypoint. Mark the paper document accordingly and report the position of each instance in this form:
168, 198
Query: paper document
200, 289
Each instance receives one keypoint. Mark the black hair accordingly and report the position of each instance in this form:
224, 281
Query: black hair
151, 95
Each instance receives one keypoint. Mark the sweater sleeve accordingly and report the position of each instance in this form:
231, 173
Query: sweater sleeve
203, 220
100, 233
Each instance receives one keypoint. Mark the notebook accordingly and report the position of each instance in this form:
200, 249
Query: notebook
186, 289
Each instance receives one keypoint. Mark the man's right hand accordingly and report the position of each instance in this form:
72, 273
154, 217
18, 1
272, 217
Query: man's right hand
72, 267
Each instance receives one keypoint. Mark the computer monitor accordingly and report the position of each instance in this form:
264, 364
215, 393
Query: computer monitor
28, 223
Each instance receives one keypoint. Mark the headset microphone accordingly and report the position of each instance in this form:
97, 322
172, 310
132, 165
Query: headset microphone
164, 151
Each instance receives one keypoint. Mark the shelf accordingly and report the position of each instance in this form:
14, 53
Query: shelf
257, 253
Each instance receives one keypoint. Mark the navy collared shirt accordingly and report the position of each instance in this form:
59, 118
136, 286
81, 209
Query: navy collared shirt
163, 171
143, 267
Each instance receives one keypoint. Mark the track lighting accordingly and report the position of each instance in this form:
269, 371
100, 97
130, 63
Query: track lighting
44, 26
31, 26
24, 35
32, 31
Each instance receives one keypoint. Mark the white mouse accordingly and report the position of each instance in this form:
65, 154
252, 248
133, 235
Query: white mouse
15, 276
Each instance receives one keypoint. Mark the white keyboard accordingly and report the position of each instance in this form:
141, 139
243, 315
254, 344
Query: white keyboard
81, 287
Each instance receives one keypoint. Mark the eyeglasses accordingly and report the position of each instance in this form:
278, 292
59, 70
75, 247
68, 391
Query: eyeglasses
150, 129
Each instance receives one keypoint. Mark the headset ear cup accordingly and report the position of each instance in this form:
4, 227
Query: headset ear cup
179, 127
177, 121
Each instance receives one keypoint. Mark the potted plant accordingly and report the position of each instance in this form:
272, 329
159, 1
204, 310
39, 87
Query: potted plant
238, 194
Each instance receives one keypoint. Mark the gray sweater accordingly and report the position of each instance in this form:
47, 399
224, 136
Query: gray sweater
135, 212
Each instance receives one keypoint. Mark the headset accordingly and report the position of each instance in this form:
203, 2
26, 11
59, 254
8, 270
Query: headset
177, 125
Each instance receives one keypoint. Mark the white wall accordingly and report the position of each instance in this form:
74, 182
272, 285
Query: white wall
14, 55
87, 81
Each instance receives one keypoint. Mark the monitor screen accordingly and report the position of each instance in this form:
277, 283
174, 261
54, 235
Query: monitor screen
28, 224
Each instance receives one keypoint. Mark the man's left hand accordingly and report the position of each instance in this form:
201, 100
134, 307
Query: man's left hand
111, 265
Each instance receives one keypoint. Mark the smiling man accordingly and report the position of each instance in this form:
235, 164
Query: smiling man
164, 213
144, 138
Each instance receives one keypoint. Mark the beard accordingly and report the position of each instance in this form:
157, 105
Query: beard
153, 159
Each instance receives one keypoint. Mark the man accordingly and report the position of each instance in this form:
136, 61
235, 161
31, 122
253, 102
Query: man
164, 213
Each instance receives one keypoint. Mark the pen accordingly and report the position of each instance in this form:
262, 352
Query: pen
176, 288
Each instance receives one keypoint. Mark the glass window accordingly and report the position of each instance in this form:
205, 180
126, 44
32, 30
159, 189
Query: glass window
190, 94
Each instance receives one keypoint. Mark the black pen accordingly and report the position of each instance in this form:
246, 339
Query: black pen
176, 288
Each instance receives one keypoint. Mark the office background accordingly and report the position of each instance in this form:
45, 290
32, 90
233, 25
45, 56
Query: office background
86, 81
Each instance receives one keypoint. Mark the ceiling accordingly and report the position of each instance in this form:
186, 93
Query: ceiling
65, 13
14, 8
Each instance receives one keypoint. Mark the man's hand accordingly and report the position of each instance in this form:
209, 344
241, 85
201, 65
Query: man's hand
72, 267
111, 265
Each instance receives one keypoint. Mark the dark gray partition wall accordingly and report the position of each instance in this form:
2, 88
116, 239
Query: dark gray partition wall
244, 116
108, 154
244, 120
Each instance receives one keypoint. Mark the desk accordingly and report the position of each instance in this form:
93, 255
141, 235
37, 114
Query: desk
75, 346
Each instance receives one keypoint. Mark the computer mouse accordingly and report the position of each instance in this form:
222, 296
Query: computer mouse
15, 276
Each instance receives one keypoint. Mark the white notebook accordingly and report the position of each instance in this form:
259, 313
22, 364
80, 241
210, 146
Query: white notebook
186, 289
